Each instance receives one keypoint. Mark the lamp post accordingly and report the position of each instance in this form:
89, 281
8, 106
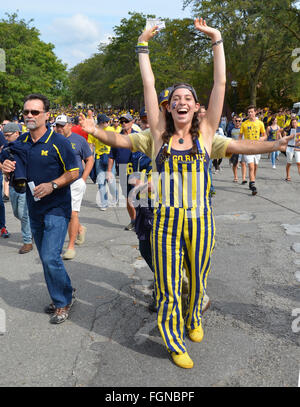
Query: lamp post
234, 85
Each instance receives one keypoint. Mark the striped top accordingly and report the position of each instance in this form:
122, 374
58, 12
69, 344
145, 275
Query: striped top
183, 180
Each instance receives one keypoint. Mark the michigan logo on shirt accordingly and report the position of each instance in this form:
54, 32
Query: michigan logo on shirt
44, 153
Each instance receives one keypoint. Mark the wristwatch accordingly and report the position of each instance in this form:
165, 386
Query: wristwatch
54, 185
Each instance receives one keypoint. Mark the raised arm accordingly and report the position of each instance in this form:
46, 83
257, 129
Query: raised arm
155, 118
109, 138
211, 121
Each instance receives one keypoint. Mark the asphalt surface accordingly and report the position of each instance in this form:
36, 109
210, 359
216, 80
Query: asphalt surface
251, 330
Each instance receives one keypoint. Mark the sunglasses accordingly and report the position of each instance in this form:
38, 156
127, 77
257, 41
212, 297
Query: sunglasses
33, 112
238, 121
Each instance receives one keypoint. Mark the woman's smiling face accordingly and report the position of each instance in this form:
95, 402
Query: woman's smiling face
182, 105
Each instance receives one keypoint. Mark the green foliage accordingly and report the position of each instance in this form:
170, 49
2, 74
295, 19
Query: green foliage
259, 38
178, 53
31, 66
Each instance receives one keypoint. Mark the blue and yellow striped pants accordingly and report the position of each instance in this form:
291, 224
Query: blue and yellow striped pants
180, 238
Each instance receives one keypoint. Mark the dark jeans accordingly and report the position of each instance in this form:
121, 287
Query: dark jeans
146, 252
2, 207
49, 236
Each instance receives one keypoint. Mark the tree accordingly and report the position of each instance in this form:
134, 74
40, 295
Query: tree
178, 53
256, 41
31, 66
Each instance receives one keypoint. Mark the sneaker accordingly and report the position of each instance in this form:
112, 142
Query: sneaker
254, 190
60, 315
274, 167
130, 226
51, 308
244, 182
26, 248
196, 335
4, 233
252, 187
182, 360
81, 236
102, 208
69, 254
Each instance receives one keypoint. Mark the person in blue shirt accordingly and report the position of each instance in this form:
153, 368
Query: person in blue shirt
83, 153
51, 167
122, 157
17, 196
3, 231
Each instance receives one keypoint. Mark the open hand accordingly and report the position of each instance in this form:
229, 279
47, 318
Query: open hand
87, 125
213, 33
283, 142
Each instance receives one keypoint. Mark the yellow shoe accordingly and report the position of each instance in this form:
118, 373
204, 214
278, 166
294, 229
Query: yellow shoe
81, 236
196, 335
182, 360
69, 254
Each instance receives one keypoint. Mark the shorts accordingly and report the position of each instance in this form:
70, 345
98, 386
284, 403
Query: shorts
254, 158
290, 153
77, 191
234, 159
242, 158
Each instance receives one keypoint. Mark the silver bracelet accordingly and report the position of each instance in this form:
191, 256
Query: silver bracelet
142, 49
217, 42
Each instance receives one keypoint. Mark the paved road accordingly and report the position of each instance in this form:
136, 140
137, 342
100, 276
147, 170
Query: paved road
111, 338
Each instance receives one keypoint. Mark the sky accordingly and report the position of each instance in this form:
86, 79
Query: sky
76, 27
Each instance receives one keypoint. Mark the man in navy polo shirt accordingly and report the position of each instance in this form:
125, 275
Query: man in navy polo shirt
51, 166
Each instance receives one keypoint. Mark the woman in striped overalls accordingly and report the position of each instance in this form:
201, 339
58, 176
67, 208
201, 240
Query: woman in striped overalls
183, 228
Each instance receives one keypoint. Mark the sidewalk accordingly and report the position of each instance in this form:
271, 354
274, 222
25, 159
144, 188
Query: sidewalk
111, 338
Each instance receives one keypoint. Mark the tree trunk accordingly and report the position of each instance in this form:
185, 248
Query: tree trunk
255, 77
253, 91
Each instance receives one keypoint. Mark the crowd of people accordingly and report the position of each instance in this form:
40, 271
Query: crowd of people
167, 150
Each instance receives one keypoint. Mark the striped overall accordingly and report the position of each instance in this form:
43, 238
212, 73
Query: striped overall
182, 236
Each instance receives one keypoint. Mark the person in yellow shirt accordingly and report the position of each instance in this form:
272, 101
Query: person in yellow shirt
252, 129
280, 118
116, 124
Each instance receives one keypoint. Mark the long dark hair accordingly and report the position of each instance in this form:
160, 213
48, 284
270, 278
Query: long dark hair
290, 126
170, 127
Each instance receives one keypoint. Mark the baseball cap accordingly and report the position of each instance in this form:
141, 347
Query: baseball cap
126, 116
102, 118
143, 112
164, 95
63, 119
76, 120
11, 128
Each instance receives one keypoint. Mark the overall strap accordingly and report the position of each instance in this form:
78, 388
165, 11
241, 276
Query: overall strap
200, 144
170, 145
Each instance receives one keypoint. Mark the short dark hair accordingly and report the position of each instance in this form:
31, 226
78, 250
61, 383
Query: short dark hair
44, 99
252, 107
